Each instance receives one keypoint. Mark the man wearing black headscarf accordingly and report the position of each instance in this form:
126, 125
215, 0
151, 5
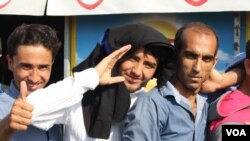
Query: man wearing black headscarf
110, 103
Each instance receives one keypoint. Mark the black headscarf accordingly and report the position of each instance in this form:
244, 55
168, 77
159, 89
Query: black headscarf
111, 102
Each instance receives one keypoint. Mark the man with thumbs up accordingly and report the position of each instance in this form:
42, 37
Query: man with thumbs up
31, 53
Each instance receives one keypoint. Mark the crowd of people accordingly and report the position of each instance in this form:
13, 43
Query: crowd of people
114, 104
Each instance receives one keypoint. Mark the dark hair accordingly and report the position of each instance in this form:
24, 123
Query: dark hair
165, 63
33, 34
156, 52
180, 36
248, 49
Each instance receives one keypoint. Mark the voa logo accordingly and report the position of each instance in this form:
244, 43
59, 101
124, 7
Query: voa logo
236, 132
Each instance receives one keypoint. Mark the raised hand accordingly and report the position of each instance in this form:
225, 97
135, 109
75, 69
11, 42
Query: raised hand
106, 65
21, 112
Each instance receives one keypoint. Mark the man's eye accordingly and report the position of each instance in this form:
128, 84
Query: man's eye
207, 59
43, 68
190, 56
26, 67
149, 65
133, 59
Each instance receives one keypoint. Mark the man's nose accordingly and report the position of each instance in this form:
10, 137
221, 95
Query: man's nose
137, 69
34, 75
197, 65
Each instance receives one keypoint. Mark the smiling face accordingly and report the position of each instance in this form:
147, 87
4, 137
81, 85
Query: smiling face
196, 60
138, 69
32, 64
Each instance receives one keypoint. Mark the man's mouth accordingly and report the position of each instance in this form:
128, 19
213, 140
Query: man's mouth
32, 87
131, 79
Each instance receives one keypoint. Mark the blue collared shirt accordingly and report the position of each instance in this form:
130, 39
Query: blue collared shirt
7, 99
165, 115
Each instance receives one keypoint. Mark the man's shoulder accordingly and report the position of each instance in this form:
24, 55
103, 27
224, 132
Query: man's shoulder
148, 94
4, 97
156, 92
161, 92
6, 103
154, 95
3, 88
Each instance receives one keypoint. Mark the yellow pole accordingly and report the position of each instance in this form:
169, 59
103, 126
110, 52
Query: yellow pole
73, 43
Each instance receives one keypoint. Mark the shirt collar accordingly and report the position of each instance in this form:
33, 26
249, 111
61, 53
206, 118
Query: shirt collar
170, 90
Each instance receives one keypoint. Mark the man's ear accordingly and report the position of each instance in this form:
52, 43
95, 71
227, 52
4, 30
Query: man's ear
215, 61
10, 62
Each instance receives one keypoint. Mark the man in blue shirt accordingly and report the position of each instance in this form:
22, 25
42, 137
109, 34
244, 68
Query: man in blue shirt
177, 111
31, 53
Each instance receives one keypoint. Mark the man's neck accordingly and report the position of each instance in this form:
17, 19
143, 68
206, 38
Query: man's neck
189, 94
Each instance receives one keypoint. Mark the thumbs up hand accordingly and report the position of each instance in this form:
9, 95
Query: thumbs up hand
21, 112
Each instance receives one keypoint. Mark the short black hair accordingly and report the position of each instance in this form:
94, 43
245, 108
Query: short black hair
33, 34
180, 37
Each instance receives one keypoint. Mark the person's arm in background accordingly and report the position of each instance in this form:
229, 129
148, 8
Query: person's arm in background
218, 81
233, 75
50, 103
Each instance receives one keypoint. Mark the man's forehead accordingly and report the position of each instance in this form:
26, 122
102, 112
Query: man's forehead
200, 52
32, 61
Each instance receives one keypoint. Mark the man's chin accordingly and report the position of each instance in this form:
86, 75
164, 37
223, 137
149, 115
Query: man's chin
134, 87
194, 87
